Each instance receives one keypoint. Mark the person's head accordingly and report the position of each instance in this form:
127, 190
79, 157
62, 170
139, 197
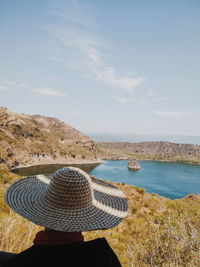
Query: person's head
68, 200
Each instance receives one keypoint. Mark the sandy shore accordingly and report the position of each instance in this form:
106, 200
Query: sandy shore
82, 161
49, 162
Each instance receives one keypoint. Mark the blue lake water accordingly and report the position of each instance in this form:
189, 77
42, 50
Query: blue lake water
168, 179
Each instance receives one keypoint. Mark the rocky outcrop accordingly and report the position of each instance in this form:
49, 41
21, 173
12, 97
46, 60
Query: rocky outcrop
133, 165
26, 140
152, 150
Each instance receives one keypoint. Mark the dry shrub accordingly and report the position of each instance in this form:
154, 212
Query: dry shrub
16, 233
157, 233
171, 242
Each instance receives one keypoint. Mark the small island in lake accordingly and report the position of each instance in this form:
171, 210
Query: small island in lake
133, 165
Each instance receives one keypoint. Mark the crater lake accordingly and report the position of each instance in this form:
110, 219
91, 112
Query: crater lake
168, 179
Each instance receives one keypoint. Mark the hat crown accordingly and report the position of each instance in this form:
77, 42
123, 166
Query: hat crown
70, 188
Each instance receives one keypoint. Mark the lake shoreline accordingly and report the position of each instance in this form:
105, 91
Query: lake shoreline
173, 161
159, 160
154, 176
99, 161
57, 162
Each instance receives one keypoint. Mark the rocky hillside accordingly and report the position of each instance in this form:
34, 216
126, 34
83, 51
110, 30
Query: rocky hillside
151, 150
38, 139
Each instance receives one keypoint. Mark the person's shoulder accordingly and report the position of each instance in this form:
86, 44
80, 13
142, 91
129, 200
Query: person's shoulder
16, 259
101, 241
101, 246
114, 261
98, 241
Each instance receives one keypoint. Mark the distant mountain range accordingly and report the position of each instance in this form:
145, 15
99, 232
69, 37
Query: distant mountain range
164, 151
135, 138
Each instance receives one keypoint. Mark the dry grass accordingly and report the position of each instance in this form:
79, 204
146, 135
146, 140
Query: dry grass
16, 233
157, 232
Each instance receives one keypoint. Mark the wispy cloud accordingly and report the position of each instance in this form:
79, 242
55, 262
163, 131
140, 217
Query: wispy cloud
10, 82
87, 50
4, 88
169, 114
139, 97
54, 79
131, 100
22, 85
124, 100
190, 118
48, 91
15, 84
152, 93
77, 114
73, 10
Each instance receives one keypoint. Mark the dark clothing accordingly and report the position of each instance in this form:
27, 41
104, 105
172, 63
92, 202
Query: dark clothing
4, 256
94, 253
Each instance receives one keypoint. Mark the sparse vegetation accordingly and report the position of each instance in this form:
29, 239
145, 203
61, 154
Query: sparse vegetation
161, 151
33, 139
157, 232
5, 175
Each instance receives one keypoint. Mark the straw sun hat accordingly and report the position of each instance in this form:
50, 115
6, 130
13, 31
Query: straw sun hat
68, 200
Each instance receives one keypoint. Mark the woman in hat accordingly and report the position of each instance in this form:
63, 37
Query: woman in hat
66, 203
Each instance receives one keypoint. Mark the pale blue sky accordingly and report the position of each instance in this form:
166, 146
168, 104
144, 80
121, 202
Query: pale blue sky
103, 66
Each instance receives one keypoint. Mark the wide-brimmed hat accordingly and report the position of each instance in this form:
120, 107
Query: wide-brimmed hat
68, 200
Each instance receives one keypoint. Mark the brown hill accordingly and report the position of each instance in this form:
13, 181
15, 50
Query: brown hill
151, 150
38, 139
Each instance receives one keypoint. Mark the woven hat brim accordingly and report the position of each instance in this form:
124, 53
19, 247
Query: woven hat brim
26, 197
